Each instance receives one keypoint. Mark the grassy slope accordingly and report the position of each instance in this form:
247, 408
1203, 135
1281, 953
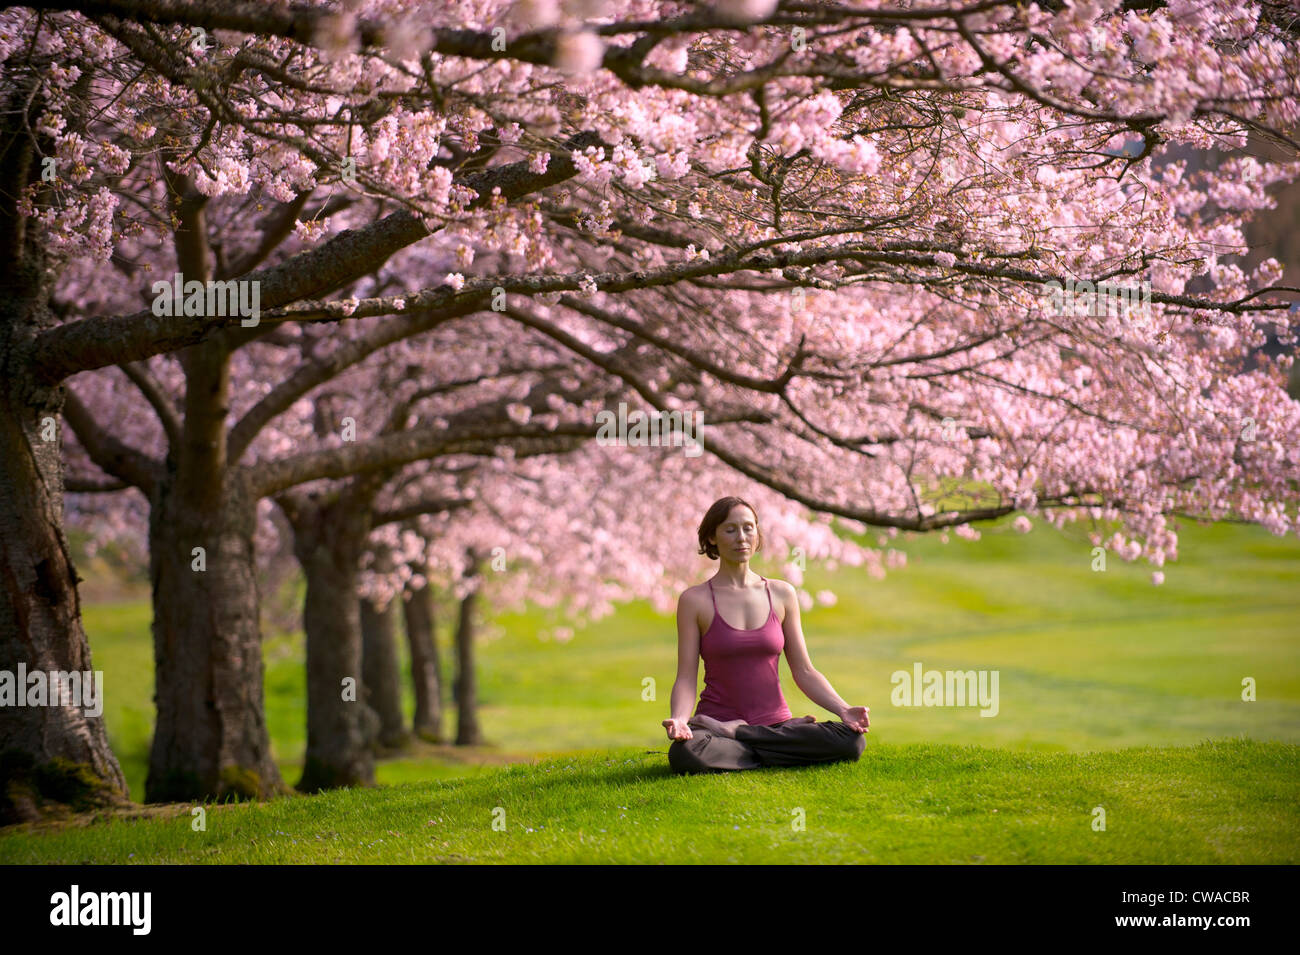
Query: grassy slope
1087, 661
1223, 802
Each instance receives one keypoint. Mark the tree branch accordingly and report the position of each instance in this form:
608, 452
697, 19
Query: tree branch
90, 485
427, 505
270, 477
114, 340
157, 398
109, 454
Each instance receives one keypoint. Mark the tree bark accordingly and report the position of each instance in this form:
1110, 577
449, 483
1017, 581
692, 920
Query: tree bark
381, 673
51, 757
210, 739
426, 669
329, 535
467, 728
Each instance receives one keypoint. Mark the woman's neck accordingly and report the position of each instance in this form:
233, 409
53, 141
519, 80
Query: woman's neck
732, 574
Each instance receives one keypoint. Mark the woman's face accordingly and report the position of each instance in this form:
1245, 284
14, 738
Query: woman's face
737, 536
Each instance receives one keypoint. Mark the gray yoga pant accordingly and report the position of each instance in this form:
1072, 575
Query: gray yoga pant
780, 744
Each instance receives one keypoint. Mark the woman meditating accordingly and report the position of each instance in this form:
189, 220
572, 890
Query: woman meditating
742, 721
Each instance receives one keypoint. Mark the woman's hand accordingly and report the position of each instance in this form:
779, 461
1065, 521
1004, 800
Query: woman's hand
677, 729
857, 717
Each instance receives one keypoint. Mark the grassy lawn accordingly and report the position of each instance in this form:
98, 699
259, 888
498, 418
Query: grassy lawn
1094, 668
1231, 801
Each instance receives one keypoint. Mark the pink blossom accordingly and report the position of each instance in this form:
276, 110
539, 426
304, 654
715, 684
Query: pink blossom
592, 166
672, 55
858, 157
673, 167
408, 37
745, 11
579, 52
336, 34
536, 14
309, 231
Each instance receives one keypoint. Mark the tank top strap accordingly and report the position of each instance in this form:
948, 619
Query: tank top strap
713, 595
768, 584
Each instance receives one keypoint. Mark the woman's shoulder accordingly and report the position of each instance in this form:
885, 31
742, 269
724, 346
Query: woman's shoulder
780, 587
692, 595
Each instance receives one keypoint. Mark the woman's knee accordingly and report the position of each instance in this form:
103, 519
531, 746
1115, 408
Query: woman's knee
857, 744
853, 741
681, 759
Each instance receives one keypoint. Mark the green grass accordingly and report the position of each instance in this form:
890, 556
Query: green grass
1230, 801
1087, 660
1093, 666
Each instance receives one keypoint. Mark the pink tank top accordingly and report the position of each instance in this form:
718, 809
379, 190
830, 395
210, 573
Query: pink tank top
741, 679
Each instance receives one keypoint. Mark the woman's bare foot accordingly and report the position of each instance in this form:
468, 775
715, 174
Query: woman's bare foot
804, 719
726, 730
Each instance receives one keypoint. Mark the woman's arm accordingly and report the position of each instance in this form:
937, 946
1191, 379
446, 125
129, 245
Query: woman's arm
682, 700
814, 686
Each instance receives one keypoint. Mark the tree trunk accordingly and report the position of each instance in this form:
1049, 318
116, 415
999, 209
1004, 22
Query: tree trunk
381, 673
467, 728
341, 726
210, 740
50, 756
426, 669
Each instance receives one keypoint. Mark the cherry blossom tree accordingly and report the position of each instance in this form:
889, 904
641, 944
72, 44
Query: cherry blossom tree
331, 522
545, 530
834, 228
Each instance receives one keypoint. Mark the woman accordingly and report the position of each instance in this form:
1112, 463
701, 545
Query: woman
743, 721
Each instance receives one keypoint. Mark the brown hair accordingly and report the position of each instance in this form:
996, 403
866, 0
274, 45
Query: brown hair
713, 518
